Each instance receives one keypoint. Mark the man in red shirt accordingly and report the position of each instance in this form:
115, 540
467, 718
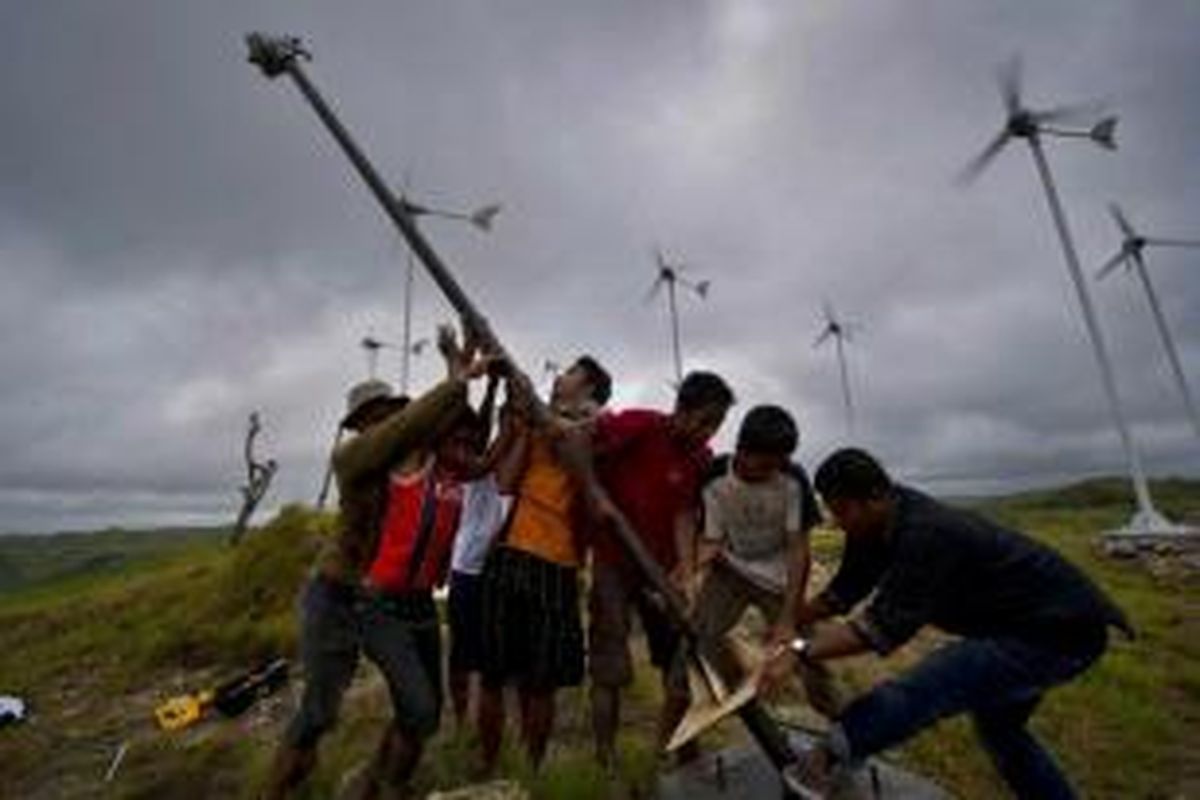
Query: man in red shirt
651, 464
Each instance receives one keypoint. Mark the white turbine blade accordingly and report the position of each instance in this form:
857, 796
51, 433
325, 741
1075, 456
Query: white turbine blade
978, 164
1008, 76
653, 292
1174, 242
827, 310
1112, 264
1122, 221
825, 334
660, 260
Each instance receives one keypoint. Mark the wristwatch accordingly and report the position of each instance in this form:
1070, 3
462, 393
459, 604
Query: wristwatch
799, 646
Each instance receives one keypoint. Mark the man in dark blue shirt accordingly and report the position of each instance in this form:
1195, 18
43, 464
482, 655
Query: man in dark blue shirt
1028, 619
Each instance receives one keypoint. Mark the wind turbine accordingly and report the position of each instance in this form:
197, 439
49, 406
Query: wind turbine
372, 346
840, 332
1131, 255
669, 275
1024, 123
481, 218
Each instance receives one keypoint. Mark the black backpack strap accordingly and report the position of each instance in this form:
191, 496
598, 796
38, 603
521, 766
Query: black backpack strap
428, 521
810, 511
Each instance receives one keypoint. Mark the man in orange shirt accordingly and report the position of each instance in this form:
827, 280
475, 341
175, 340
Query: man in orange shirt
533, 635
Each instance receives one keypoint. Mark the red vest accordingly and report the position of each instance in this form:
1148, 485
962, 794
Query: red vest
419, 523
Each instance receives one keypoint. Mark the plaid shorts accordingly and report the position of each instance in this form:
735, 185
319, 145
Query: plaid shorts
532, 632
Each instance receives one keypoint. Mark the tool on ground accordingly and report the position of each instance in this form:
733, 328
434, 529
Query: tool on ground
231, 698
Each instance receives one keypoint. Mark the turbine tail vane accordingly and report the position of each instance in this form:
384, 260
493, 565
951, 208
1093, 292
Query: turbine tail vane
1104, 133
484, 217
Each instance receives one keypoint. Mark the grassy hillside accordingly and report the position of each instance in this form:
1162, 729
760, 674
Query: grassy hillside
37, 560
96, 654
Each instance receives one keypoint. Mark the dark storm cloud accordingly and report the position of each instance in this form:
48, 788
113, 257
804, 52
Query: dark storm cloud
180, 243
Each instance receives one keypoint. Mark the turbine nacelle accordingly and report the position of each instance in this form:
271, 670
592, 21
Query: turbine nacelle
672, 274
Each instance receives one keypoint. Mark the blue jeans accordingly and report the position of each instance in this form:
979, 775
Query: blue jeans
998, 681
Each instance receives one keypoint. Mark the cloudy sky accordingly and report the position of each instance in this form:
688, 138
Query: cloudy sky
181, 244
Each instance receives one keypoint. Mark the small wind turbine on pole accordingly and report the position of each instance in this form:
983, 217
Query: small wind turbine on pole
1131, 255
840, 332
669, 275
372, 346
1024, 123
481, 218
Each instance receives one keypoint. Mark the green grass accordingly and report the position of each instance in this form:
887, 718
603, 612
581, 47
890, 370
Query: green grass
94, 653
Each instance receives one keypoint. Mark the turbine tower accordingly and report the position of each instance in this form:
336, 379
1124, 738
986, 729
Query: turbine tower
1131, 255
670, 275
840, 333
1023, 123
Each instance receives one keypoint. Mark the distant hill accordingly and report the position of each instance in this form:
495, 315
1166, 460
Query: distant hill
27, 560
1177, 497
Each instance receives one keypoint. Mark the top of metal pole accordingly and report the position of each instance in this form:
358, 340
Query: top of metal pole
273, 54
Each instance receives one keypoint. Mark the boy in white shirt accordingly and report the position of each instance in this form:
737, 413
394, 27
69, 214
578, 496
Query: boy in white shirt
759, 509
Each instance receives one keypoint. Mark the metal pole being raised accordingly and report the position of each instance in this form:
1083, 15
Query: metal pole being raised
406, 357
282, 55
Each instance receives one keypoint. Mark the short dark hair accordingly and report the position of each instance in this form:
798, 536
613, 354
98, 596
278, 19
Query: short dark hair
851, 474
467, 419
700, 389
598, 377
768, 429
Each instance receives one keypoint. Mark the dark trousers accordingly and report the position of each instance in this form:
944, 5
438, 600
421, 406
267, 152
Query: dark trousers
998, 681
398, 633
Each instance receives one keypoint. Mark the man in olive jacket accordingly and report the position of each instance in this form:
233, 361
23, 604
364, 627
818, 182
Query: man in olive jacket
399, 482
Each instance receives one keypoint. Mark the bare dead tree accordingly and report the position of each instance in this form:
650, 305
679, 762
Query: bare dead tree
258, 480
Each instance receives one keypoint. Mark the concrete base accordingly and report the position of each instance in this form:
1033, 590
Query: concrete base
1149, 525
743, 773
